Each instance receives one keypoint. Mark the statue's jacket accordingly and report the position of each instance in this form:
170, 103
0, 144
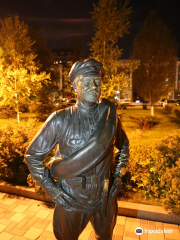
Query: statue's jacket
85, 150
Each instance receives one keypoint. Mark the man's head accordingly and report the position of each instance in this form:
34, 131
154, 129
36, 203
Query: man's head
86, 77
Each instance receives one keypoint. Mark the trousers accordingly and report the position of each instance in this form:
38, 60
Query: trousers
68, 225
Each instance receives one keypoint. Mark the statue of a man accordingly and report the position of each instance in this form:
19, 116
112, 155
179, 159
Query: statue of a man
86, 134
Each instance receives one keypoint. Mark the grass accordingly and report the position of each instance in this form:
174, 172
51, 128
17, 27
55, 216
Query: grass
168, 123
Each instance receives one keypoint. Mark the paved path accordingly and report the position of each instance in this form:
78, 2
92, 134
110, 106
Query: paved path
24, 219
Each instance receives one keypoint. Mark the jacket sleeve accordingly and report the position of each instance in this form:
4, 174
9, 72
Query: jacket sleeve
122, 145
40, 146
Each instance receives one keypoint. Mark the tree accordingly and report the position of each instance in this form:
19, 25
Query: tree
44, 57
111, 23
156, 49
19, 76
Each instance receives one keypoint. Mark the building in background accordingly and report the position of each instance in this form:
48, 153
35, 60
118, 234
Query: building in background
63, 61
175, 94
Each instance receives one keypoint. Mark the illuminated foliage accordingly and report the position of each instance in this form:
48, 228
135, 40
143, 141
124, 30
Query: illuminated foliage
19, 76
156, 49
111, 23
156, 171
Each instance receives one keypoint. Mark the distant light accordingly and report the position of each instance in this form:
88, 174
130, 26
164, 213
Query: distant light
117, 92
137, 101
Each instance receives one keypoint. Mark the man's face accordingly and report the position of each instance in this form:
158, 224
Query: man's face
88, 89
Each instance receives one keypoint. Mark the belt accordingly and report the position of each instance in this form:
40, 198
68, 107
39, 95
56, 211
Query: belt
83, 181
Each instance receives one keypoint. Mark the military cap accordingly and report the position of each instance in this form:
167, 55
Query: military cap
87, 67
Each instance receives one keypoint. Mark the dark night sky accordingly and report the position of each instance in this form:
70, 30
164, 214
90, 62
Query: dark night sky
60, 20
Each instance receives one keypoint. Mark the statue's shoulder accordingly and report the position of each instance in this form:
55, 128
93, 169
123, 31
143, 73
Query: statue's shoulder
65, 113
106, 102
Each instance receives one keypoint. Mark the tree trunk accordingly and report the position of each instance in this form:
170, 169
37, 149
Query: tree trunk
18, 113
152, 110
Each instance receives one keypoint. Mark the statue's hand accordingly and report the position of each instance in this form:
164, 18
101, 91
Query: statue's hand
115, 189
57, 194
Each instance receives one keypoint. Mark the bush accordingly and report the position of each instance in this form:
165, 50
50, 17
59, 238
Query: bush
156, 170
144, 123
177, 112
14, 140
169, 108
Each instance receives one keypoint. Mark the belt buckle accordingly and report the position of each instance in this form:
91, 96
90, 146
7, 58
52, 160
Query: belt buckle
94, 180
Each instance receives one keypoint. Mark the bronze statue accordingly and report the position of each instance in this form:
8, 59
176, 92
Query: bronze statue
86, 134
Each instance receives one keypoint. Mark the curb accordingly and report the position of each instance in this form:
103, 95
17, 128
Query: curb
128, 209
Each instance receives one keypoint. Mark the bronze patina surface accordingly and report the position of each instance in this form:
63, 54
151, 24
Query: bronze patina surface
86, 134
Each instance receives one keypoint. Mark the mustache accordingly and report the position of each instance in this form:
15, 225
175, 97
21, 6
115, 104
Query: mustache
92, 90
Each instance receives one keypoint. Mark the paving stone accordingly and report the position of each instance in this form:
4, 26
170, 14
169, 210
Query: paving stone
159, 225
17, 217
42, 238
143, 221
117, 237
34, 207
22, 223
2, 195
8, 215
40, 220
47, 234
131, 226
47, 222
174, 234
2, 215
9, 201
128, 238
30, 213
1, 210
133, 220
42, 214
49, 228
144, 236
153, 236
10, 226
89, 226
172, 226
39, 225
2, 227
5, 221
131, 235
121, 220
17, 231
6, 236
50, 217
147, 227
92, 236
85, 234
20, 208
33, 220
14, 205
152, 223
120, 230
33, 233
18, 238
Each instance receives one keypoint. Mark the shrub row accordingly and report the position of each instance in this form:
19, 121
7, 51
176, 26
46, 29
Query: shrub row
171, 108
144, 123
155, 169
14, 140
